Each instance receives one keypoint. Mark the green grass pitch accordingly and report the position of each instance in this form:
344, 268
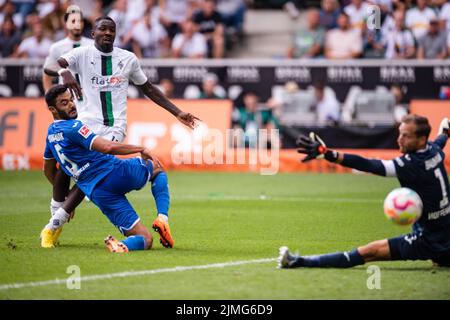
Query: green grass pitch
215, 218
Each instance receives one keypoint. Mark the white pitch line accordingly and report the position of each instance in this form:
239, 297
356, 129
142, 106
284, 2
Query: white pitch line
269, 198
133, 273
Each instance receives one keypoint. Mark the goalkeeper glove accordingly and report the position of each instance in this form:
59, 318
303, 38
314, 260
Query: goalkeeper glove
312, 146
444, 128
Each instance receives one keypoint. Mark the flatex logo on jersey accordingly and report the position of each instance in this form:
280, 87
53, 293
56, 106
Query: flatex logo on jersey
107, 82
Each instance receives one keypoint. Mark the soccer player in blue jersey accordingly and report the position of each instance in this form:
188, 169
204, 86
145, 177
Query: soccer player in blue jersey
420, 168
105, 179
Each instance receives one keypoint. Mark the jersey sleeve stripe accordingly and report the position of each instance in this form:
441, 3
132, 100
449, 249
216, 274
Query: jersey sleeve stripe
389, 166
92, 141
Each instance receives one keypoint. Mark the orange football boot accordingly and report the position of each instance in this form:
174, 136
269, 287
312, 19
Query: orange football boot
114, 245
162, 227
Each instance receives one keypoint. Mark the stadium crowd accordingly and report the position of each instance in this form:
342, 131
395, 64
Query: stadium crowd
338, 29
350, 29
149, 28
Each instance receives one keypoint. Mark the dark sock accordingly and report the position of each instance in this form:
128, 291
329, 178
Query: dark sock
333, 260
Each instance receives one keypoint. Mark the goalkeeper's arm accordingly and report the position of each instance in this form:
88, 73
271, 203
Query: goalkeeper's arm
315, 148
443, 133
353, 161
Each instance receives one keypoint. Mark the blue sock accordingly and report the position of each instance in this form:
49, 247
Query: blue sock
160, 190
333, 260
135, 242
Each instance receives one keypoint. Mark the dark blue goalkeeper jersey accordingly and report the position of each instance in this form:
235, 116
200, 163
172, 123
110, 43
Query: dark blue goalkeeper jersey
424, 172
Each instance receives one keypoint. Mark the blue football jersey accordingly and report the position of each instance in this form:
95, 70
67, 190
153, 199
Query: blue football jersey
70, 142
424, 172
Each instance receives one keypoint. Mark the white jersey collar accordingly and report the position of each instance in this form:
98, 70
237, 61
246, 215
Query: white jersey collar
104, 53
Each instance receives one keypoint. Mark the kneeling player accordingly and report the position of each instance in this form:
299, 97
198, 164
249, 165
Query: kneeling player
104, 178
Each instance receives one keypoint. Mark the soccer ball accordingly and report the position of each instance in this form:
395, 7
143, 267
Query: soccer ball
403, 206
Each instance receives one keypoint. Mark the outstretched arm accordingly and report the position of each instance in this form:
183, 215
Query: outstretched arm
315, 148
111, 147
443, 133
160, 99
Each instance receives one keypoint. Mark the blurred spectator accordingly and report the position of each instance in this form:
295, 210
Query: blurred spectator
327, 107
357, 11
9, 37
433, 45
386, 7
344, 42
149, 38
24, 7
373, 44
173, 13
123, 25
418, 18
401, 108
444, 15
189, 43
8, 9
211, 88
36, 46
135, 10
329, 14
211, 26
233, 14
53, 23
253, 116
309, 43
399, 41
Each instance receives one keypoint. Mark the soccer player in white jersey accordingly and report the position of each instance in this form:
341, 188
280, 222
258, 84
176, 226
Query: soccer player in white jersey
74, 25
105, 73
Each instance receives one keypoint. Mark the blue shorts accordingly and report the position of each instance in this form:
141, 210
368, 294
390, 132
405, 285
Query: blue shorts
414, 246
109, 193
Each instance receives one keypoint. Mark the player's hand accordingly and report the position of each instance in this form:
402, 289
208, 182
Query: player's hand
146, 154
444, 128
70, 82
188, 119
312, 146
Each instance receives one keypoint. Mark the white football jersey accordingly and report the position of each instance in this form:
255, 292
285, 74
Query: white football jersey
104, 81
61, 47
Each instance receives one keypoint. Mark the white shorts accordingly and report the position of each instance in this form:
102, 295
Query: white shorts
110, 133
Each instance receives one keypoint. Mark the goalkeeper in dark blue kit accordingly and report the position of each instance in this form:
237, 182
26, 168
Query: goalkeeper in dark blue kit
420, 168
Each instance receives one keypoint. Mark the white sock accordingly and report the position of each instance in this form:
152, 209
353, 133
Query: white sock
165, 217
58, 219
55, 205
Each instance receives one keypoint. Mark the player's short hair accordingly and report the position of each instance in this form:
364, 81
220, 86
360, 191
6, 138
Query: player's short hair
97, 21
53, 93
423, 127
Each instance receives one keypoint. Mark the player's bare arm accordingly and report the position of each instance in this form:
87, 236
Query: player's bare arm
68, 79
160, 99
110, 147
50, 169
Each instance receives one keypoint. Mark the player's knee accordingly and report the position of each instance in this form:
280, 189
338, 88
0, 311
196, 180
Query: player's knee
373, 250
157, 168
